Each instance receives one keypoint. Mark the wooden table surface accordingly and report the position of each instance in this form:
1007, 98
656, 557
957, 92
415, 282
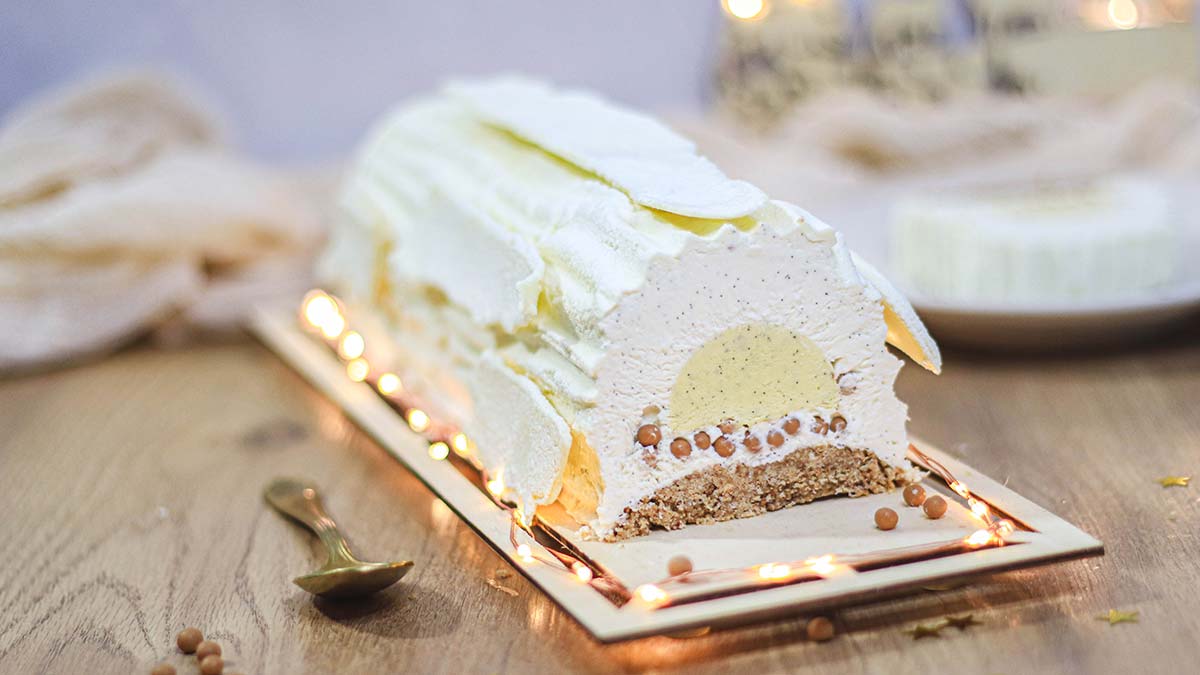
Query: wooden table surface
131, 495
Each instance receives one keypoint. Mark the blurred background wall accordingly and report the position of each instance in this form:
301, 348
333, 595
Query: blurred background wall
300, 80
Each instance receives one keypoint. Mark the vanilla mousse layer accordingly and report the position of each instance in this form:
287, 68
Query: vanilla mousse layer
588, 296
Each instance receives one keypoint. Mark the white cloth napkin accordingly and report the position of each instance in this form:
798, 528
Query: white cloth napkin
121, 213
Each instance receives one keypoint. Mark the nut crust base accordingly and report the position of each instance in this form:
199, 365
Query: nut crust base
740, 491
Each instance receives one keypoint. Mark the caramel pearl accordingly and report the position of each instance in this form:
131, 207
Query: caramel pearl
723, 446
935, 507
752, 443
681, 448
212, 665
838, 423
791, 426
649, 435
702, 440
819, 629
163, 669
914, 495
726, 427
886, 519
679, 564
188, 639
207, 648
820, 426
775, 438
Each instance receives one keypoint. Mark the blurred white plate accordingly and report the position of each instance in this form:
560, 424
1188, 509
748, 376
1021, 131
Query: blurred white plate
1046, 327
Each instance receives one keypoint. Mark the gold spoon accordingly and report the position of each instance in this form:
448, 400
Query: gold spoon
342, 575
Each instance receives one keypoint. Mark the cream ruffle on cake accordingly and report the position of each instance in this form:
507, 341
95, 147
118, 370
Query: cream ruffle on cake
618, 326
1045, 244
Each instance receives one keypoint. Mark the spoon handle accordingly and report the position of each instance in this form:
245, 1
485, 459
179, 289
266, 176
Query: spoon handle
300, 501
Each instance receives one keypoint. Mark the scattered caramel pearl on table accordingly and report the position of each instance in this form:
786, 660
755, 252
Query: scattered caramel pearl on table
188, 639
775, 438
935, 507
649, 435
207, 648
914, 495
163, 669
751, 442
820, 426
212, 665
681, 448
819, 629
723, 446
679, 564
702, 440
792, 426
886, 519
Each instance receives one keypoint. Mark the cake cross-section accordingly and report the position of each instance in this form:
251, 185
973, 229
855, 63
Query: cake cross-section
618, 326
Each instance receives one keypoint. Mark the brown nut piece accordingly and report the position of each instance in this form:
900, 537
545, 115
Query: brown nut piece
649, 435
207, 648
163, 669
681, 448
726, 427
212, 665
914, 495
886, 519
775, 438
723, 446
752, 443
792, 426
820, 426
819, 629
838, 423
188, 639
702, 439
935, 507
680, 564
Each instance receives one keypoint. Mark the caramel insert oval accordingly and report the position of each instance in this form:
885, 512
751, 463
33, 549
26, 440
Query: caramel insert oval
749, 374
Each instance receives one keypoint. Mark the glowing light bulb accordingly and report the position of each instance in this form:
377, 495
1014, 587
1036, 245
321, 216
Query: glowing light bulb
774, 571
960, 488
418, 421
745, 9
496, 485
351, 346
333, 326
978, 508
979, 538
439, 450
318, 308
358, 369
1004, 528
389, 383
582, 572
460, 443
650, 593
525, 553
1123, 14
823, 565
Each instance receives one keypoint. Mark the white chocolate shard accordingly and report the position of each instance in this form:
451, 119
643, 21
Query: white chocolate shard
655, 166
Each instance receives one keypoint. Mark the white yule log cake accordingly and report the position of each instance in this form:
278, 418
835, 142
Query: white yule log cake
617, 325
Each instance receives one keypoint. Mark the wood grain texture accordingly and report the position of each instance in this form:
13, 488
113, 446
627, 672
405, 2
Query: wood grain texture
131, 495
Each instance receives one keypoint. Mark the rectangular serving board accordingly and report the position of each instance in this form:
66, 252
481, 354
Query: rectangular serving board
839, 525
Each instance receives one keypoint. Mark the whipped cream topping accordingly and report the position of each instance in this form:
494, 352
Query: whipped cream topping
560, 260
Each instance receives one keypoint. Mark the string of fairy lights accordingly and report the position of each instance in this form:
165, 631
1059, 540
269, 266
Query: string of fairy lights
323, 316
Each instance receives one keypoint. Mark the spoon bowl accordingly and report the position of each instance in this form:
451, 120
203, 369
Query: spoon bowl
354, 581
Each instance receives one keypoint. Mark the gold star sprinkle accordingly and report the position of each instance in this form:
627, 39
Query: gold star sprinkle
924, 630
1115, 617
1174, 481
962, 622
